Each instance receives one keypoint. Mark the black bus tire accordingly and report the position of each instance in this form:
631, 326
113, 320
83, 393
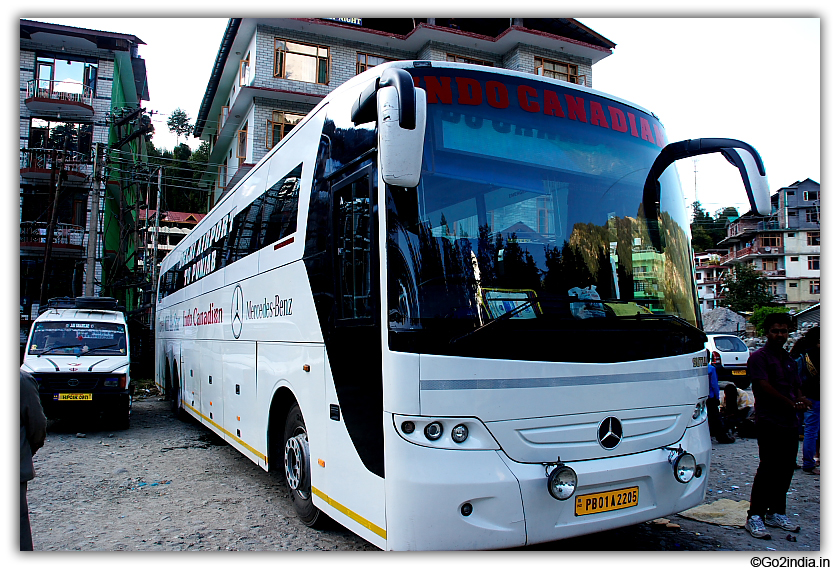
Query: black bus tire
296, 470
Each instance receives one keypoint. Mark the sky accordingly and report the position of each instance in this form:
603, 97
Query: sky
754, 79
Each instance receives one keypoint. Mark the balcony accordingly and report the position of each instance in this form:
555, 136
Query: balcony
70, 98
37, 164
752, 251
68, 240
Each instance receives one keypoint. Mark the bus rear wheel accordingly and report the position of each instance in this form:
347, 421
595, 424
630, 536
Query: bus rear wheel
296, 468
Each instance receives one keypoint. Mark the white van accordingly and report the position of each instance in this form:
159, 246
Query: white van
78, 351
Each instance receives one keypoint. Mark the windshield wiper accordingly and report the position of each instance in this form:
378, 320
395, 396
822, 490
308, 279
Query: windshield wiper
100, 347
48, 350
503, 317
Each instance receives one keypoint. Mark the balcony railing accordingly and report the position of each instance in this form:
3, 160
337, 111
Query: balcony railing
65, 91
38, 163
63, 234
42, 158
753, 250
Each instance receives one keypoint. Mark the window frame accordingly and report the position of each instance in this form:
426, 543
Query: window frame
813, 238
360, 65
279, 72
469, 60
270, 124
814, 286
242, 144
813, 263
539, 69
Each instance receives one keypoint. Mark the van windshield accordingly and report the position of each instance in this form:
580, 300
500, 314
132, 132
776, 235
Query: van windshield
74, 338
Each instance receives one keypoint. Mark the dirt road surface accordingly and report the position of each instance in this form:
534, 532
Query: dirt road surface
171, 485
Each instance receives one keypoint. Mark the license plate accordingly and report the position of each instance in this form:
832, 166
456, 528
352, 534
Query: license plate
608, 501
739, 372
72, 397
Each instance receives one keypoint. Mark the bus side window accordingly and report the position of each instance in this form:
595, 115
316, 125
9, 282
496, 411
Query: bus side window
279, 214
353, 240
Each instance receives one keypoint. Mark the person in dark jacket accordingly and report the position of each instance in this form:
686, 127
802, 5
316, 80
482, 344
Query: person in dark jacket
33, 432
778, 398
809, 371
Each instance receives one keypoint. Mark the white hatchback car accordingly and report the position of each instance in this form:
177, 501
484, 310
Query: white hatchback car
729, 355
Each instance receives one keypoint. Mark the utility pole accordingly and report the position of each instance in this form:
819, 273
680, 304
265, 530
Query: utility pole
93, 234
55, 179
157, 229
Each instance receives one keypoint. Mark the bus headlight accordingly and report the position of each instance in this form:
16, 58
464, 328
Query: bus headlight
562, 482
460, 433
685, 465
463, 434
433, 431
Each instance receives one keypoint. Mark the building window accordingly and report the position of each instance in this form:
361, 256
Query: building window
556, 69
771, 241
793, 285
811, 216
461, 59
814, 262
808, 196
814, 287
242, 146
279, 125
813, 238
301, 62
50, 134
245, 71
770, 264
795, 258
365, 61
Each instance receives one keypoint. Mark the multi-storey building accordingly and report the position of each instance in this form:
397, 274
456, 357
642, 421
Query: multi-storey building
784, 246
80, 95
708, 276
270, 72
170, 229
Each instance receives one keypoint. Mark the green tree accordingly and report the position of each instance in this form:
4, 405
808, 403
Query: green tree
745, 288
760, 314
179, 123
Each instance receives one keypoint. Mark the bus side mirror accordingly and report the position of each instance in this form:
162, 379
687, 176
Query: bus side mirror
738, 153
401, 116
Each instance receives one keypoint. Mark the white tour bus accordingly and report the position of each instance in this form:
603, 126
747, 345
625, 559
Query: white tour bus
455, 308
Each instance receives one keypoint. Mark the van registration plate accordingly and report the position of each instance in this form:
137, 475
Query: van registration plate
72, 397
739, 372
607, 501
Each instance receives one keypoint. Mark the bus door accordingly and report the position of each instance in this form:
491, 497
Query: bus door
354, 350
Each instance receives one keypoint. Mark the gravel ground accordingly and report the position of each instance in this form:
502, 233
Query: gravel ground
170, 485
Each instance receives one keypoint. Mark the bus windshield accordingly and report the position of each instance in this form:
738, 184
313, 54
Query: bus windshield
528, 237
66, 338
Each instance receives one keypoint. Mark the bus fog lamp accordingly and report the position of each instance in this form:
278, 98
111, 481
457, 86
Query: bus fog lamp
433, 431
407, 427
460, 433
685, 465
562, 482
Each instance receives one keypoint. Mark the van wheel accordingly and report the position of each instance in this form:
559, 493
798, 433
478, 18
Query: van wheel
120, 419
296, 468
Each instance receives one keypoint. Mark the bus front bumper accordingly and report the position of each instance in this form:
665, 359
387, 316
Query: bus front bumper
476, 500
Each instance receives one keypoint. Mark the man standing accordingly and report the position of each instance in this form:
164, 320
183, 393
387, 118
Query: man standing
778, 398
33, 432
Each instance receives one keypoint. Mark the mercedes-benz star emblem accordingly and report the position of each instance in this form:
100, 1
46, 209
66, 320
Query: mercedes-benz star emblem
610, 433
236, 311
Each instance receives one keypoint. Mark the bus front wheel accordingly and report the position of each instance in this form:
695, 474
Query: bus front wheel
296, 468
